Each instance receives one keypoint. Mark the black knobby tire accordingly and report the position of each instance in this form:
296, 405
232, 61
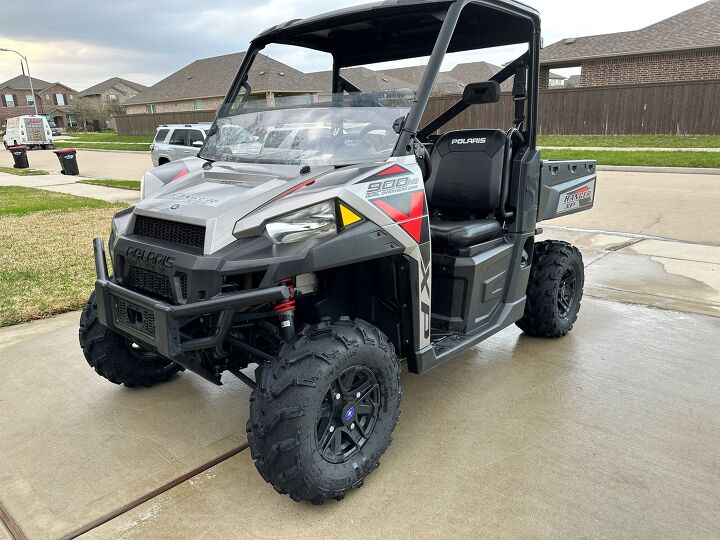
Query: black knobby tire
288, 414
116, 358
552, 306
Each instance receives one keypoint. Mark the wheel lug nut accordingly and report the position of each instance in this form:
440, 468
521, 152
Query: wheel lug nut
357, 395
352, 426
332, 428
337, 396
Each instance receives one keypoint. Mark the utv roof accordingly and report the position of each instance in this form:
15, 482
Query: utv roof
397, 29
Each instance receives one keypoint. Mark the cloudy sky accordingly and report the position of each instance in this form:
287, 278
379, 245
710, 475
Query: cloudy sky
146, 40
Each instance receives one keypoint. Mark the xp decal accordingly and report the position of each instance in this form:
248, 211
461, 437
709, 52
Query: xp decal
579, 198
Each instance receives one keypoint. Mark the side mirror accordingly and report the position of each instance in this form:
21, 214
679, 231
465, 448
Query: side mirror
482, 93
198, 144
398, 125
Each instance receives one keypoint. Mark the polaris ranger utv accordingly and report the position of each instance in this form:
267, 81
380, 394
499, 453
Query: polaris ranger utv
328, 236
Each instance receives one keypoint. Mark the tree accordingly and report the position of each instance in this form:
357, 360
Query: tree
114, 108
85, 112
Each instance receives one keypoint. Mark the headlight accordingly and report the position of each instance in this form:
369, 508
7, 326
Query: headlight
312, 222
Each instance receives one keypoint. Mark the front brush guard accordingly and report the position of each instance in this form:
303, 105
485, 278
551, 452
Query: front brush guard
156, 324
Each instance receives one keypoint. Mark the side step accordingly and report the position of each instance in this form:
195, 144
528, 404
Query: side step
446, 346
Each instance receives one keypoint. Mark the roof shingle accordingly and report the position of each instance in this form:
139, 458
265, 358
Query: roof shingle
21, 83
696, 28
99, 88
212, 77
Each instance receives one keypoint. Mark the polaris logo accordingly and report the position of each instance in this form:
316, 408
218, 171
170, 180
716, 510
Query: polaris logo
150, 259
469, 141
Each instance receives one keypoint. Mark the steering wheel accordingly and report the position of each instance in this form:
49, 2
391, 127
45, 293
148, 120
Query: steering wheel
342, 144
375, 127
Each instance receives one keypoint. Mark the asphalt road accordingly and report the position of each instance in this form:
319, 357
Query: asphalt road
93, 163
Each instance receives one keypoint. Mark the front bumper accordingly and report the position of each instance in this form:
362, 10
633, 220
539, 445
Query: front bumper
156, 324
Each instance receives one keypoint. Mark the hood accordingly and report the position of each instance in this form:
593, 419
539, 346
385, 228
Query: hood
220, 196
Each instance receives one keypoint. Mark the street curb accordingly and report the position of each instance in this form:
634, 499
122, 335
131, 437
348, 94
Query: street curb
661, 170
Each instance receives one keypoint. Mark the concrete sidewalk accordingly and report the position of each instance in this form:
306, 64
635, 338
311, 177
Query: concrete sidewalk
69, 185
614, 428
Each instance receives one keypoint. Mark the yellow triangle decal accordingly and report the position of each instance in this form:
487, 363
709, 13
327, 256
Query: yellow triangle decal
348, 216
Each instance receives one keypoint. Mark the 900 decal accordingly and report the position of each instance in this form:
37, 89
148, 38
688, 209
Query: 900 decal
392, 186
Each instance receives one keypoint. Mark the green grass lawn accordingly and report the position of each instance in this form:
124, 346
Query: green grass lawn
103, 146
109, 137
22, 172
46, 259
19, 201
121, 184
106, 141
632, 141
639, 158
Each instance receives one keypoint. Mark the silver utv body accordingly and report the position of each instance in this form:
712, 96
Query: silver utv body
447, 287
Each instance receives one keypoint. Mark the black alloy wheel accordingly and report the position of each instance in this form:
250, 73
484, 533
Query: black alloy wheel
348, 414
566, 293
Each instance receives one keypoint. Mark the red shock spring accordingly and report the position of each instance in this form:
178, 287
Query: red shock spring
288, 305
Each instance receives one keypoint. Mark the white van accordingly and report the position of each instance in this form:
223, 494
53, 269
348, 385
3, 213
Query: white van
31, 131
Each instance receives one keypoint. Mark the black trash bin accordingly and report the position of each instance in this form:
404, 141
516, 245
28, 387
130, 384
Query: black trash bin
68, 161
19, 154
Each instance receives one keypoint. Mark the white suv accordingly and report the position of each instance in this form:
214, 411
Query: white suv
177, 141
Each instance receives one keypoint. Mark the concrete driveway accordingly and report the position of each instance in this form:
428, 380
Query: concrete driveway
612, 431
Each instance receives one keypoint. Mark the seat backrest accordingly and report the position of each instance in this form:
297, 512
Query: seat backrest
467, 170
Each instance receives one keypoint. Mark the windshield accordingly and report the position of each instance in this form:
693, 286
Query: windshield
299, 121
334, 130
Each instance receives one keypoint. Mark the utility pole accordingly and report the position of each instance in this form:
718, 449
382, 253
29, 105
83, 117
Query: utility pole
32, 91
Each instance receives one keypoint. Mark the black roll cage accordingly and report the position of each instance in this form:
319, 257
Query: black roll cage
526, 99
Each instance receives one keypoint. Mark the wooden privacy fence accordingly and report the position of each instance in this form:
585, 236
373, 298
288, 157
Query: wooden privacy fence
687, 108
146, 124
663, 108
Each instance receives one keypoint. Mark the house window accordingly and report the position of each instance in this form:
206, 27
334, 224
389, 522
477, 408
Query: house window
71, 121
112, 97
198, 104
60, 99
150, 108
30, 100
9, 100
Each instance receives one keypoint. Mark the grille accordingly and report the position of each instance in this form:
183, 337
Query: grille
150, 282
170, 231
183, 285
134, 316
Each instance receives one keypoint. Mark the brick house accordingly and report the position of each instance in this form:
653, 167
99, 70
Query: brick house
685, 47
202, 85
53, 99
114, 89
